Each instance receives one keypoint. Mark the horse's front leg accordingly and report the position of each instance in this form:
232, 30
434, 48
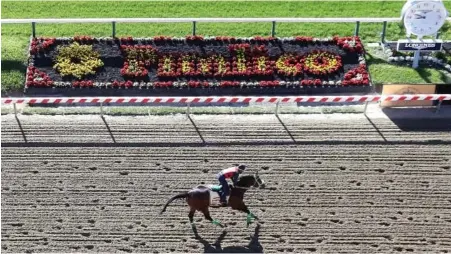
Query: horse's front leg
250, 215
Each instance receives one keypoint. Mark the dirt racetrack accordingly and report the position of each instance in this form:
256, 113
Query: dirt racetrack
335, 183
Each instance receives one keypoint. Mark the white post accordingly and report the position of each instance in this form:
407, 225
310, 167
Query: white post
364, 109
187, 109
416, 59
101, 109
276, 111
15, 109
438, 106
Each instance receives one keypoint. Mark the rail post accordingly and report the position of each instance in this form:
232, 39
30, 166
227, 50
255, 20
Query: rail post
276, 110
33, 29
101, 109
364, 109
15, 109
439, 105
114, 28
194, 28
357, 28
273, 29
188, 110
384, 30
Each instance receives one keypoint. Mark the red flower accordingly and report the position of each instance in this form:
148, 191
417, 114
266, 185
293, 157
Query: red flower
129, 84
38, 78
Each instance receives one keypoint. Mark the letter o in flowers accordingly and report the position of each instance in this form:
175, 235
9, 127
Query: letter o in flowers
321, 63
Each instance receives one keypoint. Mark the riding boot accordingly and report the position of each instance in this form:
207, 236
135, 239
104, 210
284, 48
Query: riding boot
223, 200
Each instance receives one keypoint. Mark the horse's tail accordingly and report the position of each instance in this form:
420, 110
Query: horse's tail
179, 196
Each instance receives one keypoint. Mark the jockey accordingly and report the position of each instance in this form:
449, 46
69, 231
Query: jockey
229, 173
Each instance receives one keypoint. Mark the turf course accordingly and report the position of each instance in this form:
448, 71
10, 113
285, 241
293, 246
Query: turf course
15, 37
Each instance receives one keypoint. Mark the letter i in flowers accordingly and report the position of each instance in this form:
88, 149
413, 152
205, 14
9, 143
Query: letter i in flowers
240, 64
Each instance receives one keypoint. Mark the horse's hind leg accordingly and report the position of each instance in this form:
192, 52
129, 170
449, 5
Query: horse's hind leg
191, 218
206, 213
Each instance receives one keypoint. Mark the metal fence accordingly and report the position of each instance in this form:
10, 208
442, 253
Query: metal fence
195, 21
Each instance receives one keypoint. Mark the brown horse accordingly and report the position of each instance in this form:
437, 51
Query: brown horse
201, 197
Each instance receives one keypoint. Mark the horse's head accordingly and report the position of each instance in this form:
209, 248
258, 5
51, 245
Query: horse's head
251, 181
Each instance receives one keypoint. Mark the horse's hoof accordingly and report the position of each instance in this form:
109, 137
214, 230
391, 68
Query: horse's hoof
217, 223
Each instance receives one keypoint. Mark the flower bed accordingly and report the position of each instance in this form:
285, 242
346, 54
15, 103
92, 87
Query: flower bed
218, 64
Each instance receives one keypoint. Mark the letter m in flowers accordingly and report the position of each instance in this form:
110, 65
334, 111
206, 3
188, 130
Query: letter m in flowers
186, 65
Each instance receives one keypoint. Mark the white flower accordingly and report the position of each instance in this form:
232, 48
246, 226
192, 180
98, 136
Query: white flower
331, 83
108, 84
135, 84
338, 83
448, 66
296, 83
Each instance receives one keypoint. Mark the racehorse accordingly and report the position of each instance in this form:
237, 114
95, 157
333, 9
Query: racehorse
201, 197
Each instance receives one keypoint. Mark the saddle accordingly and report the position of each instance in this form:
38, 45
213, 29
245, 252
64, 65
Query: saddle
216, 188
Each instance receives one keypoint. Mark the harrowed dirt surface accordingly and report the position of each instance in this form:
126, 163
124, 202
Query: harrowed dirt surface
335, 183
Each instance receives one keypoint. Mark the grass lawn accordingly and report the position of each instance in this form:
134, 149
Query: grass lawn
384, 73
15, 37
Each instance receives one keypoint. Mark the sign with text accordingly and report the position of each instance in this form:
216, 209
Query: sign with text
424, 45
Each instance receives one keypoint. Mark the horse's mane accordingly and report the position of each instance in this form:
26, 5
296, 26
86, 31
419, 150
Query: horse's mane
245, 178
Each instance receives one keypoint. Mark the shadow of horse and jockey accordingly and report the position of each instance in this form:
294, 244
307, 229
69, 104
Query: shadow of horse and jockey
254, 245
202, 197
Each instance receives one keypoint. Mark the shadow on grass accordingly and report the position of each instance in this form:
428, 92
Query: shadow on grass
370, 59
424, 74
14, 65
254, 245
